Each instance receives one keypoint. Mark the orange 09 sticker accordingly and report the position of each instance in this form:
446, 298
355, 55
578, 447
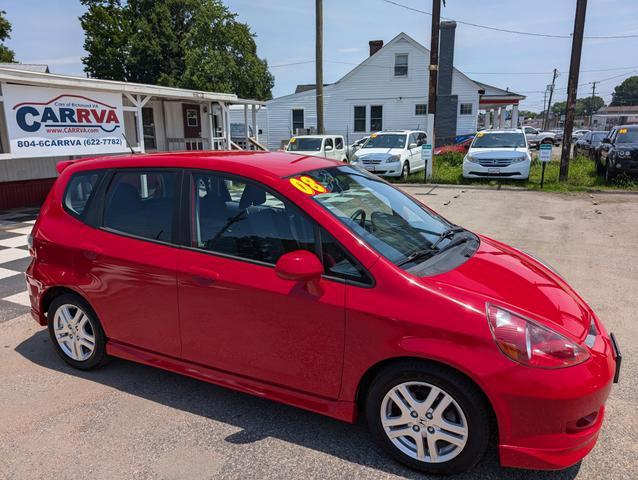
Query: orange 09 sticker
307, 185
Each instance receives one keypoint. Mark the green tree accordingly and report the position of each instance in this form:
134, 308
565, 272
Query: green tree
559, 108
591, 104
195, 44
626, 93
583, 106
527, 114
6, 54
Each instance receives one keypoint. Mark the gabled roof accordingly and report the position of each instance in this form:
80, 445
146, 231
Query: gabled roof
304, 87
31, 67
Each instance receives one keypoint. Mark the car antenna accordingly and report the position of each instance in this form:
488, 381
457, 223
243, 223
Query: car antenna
128, 144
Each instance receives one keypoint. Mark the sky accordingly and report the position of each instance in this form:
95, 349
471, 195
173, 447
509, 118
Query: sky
48, 31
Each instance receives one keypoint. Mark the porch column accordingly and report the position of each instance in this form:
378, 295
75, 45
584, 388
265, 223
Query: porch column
515, 115
501, 122
246, 133
227, 126
255, 131
211, 127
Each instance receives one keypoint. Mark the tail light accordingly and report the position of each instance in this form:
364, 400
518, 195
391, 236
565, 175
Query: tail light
530, 343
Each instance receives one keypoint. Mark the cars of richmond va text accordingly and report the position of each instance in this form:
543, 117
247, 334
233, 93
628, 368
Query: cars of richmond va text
317, 284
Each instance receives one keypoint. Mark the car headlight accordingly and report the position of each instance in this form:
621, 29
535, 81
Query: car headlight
519, 159
470, 158
531, 344
624, 153
393, 158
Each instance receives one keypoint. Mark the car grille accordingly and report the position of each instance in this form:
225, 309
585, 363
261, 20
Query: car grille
371, 161
494, 162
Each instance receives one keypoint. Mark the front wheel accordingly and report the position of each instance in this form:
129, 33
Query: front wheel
428, 418
405, 171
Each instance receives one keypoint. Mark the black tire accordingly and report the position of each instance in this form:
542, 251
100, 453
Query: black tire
98, 356
465, 393
405, 171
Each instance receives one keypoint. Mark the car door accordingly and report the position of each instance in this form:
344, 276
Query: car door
605, 147
340, 152
236, 313
415, 162
130, 262
328, 148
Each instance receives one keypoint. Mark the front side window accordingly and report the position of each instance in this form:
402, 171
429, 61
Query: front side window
328, 143
499, 140
297, 119
338, 263
359, 118
466, 109
421, 109
243, 219
304, 144
392, 223
376, 118
140, 203
79, 192
386, 140
401, 65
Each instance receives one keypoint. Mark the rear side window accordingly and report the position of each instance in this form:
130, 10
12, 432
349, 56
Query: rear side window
79, 191
140, 203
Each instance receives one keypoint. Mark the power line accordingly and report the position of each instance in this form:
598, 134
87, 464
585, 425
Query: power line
505, 30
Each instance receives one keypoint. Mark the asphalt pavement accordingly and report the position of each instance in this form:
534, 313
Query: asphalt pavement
132, 421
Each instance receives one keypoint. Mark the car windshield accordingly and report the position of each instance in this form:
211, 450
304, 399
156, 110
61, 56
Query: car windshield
499, 140
396, 226
304, 144
626, 135
385, 140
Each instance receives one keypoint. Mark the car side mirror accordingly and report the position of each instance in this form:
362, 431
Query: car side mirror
466, 146
327, 148
606, 140
299, 266
412, 145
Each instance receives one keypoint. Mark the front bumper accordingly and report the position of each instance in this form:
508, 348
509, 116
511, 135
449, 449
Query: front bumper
386, 169
556, 422
517, 171
625, 165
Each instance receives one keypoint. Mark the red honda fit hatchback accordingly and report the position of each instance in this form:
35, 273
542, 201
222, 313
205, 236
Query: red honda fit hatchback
319, 285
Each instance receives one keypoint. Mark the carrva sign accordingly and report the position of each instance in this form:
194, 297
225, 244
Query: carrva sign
49, 122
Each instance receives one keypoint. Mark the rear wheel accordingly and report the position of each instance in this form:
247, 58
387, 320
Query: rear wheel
428, 418
76, 333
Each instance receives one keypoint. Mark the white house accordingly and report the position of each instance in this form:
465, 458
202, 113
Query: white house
388, 90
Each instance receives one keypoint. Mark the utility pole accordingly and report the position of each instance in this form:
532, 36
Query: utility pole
319, 64
434, 77
549, 104
572, 87
591, 103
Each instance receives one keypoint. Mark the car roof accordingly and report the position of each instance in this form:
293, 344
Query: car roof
503, 130
317, 136
248, 163
383, 132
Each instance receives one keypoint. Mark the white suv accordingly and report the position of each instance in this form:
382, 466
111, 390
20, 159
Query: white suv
498, 154
392, 153
328, 146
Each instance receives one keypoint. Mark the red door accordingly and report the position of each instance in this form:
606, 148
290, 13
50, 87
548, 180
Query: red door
236, 314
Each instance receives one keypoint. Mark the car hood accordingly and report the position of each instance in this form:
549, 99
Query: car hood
497, 152
504, 276
628, 146
312, 153
381, 153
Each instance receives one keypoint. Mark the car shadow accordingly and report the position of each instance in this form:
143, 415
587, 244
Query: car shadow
258, 418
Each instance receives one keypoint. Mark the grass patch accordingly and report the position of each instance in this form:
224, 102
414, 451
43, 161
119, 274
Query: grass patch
448, 169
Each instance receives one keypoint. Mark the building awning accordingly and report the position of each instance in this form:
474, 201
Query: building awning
494, 97
26, 77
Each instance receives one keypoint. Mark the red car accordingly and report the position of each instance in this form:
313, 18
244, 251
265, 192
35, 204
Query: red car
317, 284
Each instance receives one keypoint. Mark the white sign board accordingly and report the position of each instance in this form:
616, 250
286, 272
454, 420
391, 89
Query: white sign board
545, 152
50, 122
426, 156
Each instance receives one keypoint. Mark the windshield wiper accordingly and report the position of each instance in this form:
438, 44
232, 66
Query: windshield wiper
447, 233
432, 250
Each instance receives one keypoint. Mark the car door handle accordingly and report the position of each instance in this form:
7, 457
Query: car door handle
203, 275
91, 252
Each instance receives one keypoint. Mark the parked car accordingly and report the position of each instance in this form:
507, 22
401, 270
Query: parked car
316, 284
498, 154
619, 152
559, 135
577, 134
356, 146
392, 153
536, 137
460, 147
586, 145
328, 146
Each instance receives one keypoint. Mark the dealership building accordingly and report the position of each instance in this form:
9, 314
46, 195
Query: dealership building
47, 118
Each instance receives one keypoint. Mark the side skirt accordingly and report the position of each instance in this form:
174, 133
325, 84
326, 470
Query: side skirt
341, 410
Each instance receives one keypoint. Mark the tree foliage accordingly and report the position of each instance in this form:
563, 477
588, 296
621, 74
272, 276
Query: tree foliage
626, 93
6, 54
584, 106
195, 44
528, 114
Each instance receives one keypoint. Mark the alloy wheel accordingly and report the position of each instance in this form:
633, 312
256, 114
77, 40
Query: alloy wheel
73, 332
424, 422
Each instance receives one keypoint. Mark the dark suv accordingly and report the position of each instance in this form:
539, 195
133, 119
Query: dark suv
619, 152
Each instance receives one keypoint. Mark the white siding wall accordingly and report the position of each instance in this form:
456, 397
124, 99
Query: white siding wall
372, 84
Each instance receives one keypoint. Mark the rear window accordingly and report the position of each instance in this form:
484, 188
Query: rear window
79, 192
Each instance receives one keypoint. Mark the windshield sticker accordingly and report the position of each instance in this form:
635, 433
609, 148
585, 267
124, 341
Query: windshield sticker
480, 134
293, 139
374, 135
307, 185
622, 131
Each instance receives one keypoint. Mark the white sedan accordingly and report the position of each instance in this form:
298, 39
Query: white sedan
498, 154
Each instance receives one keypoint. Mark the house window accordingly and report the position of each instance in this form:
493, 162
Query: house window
148, 125
297, 119
421, 109
376, 118
401, 65
466, 109
192, 117
360, 119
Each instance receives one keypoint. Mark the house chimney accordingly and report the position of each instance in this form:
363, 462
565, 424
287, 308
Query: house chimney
375, 46
446, 58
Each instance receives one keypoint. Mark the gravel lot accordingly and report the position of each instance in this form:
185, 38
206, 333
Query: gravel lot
132, 421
